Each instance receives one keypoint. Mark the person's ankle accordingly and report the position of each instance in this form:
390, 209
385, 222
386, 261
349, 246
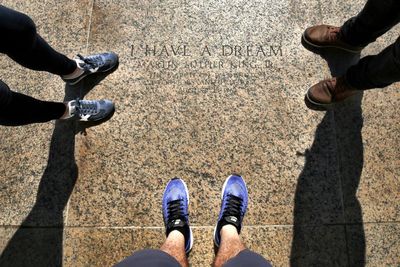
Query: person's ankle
183, 231
66, 114
229, 230
176, 234
76, 73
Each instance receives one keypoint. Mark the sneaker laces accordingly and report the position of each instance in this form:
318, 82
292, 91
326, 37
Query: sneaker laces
86, 107
93, 62
233, 206
175, 210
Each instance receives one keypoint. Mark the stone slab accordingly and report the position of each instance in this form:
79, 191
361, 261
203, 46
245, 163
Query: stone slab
202, 122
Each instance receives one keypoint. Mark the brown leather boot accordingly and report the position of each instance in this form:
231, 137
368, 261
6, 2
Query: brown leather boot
325, 94
326, 36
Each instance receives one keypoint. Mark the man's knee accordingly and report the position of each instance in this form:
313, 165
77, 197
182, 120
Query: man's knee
149, 258
247, 258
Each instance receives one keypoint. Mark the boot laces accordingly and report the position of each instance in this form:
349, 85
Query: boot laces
333, 34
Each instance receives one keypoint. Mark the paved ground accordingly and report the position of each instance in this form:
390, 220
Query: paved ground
204, 89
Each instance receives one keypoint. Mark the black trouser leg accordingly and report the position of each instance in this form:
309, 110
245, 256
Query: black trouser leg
21, 42
18, 109
376, 18
376, 71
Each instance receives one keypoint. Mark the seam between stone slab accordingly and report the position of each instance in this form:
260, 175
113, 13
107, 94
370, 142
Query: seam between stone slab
196, 226
338, 159
69, 200
339, 171
91, 4
76, 140
90, 26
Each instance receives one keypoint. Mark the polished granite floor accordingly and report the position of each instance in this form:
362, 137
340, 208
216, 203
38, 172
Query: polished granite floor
203, 89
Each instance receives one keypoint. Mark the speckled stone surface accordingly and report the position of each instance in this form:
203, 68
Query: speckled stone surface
203, 89
103, 247
200, 124
382, 244
36, 160
372, 181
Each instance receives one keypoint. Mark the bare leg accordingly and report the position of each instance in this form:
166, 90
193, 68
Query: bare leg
231, 245
175, 246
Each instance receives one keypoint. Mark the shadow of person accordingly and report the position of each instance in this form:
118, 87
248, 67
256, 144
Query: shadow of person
38, 241
326, 208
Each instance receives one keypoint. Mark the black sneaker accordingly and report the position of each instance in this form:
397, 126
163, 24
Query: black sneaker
94, 64
175, 207
233, 206
90, 110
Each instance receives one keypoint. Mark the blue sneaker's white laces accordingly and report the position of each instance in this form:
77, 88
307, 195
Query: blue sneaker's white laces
86, 107
92, 62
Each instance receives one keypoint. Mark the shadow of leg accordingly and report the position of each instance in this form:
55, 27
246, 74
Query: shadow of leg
319, 246
317, 241
38, 241
349, 122
348, 125
31, 246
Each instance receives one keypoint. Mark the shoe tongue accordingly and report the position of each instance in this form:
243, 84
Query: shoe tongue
232, 220
176, 223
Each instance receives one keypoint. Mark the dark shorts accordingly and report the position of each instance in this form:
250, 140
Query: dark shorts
158, 258
5, 95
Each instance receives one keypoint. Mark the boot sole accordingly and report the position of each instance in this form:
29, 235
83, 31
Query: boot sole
311, 104
315, 105
316, 48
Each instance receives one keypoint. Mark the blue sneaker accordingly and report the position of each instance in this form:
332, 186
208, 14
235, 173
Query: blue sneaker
175, 206
233, 206
94, 64
90, 110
